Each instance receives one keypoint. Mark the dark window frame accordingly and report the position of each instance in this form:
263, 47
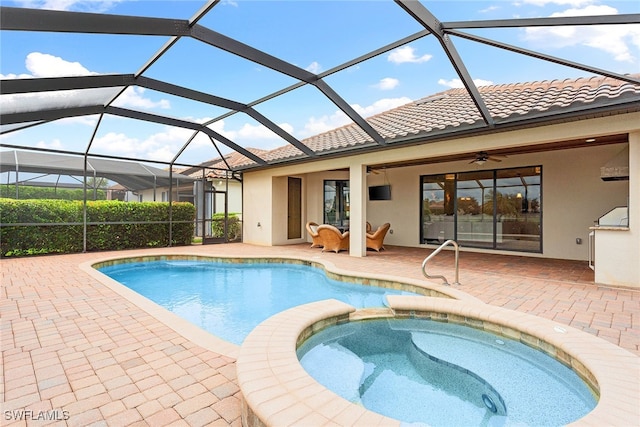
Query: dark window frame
343, 201
451, 231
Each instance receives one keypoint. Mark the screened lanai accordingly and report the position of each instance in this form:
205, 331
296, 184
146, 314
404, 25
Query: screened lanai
190, 69
178, 84
131, 175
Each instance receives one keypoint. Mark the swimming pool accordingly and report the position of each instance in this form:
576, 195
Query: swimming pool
440, 374
229, 299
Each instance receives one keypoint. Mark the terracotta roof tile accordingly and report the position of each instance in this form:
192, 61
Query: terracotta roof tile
455, 108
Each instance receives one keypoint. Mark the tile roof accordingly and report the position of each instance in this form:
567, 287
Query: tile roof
217, 167
454, 109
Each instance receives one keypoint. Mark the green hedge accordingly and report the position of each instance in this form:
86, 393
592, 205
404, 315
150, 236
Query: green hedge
31, 192
45, 239
234, 226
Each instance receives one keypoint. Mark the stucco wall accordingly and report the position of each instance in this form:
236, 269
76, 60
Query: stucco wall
617, 252
574, 196
257, 214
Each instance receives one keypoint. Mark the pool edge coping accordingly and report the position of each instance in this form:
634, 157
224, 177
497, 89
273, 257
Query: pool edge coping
276, 389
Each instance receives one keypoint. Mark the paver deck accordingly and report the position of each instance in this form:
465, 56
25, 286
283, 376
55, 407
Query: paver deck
77, 353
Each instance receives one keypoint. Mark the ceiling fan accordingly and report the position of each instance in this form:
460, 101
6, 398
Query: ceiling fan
482, 157
376, 171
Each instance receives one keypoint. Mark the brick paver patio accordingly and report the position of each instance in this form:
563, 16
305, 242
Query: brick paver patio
77, 353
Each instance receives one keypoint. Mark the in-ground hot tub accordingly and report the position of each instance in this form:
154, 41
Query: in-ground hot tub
434, 373
277, 390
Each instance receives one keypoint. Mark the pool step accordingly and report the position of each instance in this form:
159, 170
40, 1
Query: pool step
455, 379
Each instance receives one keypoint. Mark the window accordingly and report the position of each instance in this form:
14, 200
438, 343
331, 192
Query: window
336, 203
495, 209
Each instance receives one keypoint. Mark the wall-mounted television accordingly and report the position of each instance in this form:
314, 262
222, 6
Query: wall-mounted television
380, 192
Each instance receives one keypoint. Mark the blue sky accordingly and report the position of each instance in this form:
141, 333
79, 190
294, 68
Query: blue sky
314, 35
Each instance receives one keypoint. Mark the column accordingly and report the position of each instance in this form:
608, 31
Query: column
357, 210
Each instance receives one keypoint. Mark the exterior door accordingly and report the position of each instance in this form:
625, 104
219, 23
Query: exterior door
294, 208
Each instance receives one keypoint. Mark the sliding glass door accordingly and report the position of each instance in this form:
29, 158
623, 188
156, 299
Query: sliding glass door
495, 209
474, 196
519, 211
438, 208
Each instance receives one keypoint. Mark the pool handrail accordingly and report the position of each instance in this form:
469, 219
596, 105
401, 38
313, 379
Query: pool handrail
434, 253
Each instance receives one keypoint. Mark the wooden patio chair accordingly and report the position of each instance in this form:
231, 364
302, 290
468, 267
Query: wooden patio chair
332, 239
375, 240
312, 229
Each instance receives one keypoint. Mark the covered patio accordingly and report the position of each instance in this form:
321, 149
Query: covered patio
72, 343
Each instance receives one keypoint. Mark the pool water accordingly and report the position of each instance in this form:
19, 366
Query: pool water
231, 299
440, 374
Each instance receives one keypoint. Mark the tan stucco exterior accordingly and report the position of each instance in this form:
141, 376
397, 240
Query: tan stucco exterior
574, 195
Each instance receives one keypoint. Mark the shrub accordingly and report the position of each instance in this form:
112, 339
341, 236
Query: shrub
110, 225
234, 226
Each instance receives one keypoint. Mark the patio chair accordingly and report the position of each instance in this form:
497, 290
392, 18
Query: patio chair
375, 241
332, 239
312, 229
368, 227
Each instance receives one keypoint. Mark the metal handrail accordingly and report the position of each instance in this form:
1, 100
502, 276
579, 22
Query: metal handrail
434, 253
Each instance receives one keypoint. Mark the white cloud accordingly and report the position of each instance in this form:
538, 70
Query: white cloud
76, 5
161, 146
489, 9
42, 65
457, 83
314, 67
406, 54
573, 3
55, 144
286, 127
133, 97
15, 76
45, 65
387, 83
252, 135
118, 143
317, 125
380, 106
249, 131
613, 39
